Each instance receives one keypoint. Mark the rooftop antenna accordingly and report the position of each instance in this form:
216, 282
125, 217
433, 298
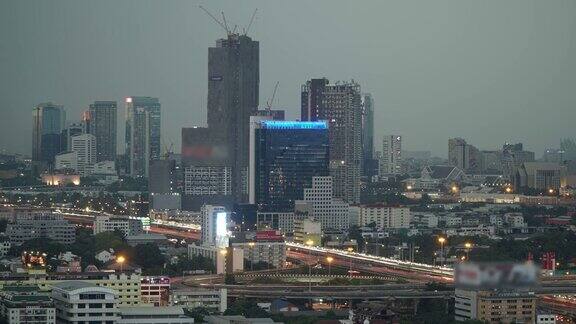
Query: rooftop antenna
247, 29
215, 19
269, 103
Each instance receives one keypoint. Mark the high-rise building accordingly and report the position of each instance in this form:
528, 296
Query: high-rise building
70, 130
331, 212
207, 169
287, 155
513, 155
569, 147
85, 147
340, 105
103, 126
464, 156
215, 226
391, 159
233, 92
367, 130
162, 177
48, 123
142, 133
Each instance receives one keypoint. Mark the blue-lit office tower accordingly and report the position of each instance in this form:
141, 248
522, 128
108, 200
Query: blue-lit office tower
287, 155
48, 124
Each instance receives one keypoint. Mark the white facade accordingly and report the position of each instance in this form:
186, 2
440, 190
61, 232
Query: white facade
385, 216
207, 180
391, 160
128, 226
67, 160
85, 146
330, 211
79, 301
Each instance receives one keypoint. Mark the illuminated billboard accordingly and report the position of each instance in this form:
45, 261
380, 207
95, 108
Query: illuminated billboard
496, 275
222, 235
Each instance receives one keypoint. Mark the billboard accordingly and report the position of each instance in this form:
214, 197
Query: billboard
496, 275
222, 236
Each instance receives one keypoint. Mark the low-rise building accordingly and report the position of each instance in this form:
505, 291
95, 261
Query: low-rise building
495, 306
384, 216
26, 304
155, 290
128, 226
213, 299
306, 230
153, 315
79, 301
37, 226
272, 253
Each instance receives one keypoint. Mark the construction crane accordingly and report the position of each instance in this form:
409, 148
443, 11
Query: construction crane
223, 25
247, 29
271, 101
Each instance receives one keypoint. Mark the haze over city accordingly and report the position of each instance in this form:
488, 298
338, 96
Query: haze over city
487, 71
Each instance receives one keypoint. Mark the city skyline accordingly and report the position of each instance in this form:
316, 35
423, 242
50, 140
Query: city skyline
486, 81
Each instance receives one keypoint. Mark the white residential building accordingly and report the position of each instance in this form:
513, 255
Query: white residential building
84, 302
331, 212
129, 226
85, 147
273, 253
66, 160
385, 216
391, 159
207, 180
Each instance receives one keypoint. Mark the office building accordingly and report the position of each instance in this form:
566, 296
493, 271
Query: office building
569, 147
287, 155
331, 212
142, 134
155, 290
66, 160
513, 155
128, 226
215, 300
340, 105
215, 226
47, 125
85, 147
306, 229
68, 132
384, 216
391, 159
464, 156
282, 221
79, 301
207, 169
162, 176
541, 176
367, 130
50, 226
554, 155
233, 93
26, 304
103, 126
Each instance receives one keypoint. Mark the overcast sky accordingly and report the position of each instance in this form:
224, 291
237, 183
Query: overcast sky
489, 71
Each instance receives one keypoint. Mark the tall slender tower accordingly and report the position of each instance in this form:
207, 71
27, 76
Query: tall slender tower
367, 128
233, 90
103, 127
142, 133
48, 124
340, 104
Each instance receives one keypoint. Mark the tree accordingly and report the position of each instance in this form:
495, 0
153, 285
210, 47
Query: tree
197, 313
247, 308
148, 256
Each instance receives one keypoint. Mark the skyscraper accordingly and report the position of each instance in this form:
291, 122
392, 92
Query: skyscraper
464, 156
48, 123
391, 160
367, 130
233, 90
340, 104
287, 155
85, 147
103, 126
142, 133
68, 132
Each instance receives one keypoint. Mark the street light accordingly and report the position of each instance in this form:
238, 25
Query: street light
350, 250
442, 240
329, 260
468, 246
120, 260
251, 245
310, 243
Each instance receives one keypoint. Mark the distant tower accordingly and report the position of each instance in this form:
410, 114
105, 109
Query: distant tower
340, 104
103, 126
142, 133
391, 160
48, 124
233, 91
